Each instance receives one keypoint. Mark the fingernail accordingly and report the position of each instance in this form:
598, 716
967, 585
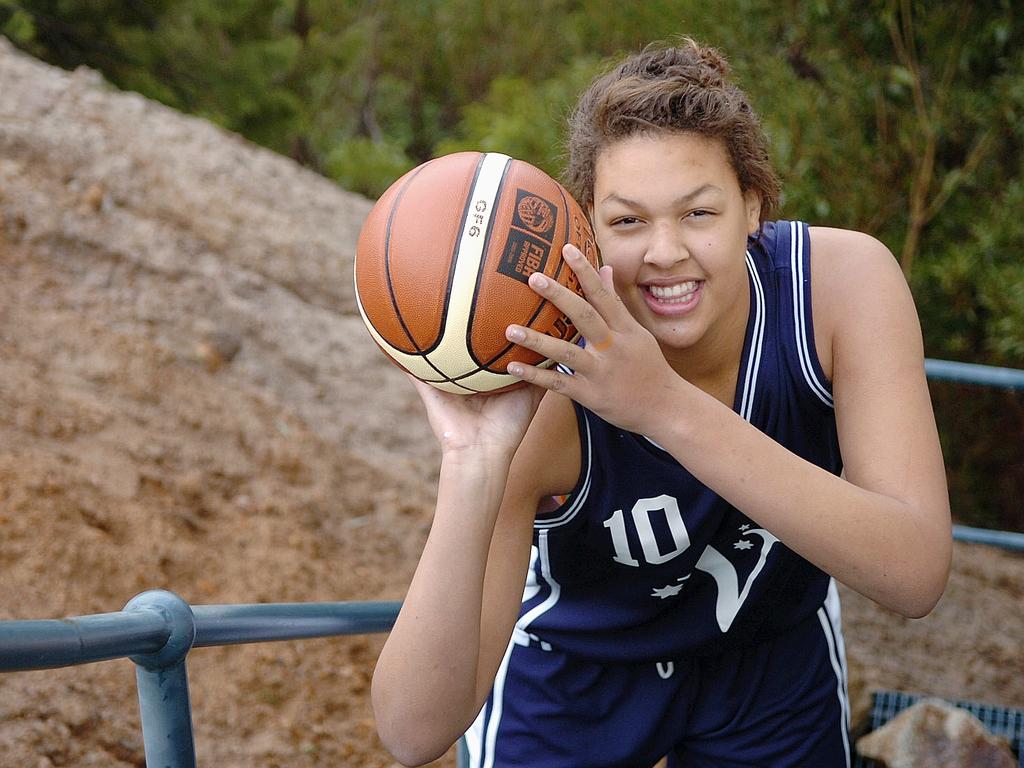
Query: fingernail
515, 334
515, 369
537, 280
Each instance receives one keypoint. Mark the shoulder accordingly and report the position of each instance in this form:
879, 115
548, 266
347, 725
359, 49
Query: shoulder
853, 270
858, 289
858, 248
863, 307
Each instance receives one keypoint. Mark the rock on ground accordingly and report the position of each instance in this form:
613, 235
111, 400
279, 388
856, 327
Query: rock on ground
935, 734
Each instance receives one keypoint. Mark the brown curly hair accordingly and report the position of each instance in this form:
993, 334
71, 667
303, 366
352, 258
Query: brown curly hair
679, 89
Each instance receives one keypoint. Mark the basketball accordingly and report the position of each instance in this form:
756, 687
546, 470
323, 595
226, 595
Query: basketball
442, 263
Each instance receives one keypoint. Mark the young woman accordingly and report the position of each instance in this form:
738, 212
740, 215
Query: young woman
680, 494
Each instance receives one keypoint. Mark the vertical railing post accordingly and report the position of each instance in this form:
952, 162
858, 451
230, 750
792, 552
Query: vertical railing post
162, 681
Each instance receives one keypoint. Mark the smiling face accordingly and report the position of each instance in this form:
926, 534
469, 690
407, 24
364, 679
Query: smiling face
672, 221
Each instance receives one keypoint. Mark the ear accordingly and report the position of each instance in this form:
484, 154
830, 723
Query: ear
752, 203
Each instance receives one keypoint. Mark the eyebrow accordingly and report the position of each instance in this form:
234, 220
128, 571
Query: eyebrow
681, 200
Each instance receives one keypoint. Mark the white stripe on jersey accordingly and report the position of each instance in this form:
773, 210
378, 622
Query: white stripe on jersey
555, 588
828, 615
479, 742
474, 738
801, 309
756, 342
581, 497
832, 608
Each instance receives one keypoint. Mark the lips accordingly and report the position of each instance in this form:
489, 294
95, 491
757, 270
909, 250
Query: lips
674, 298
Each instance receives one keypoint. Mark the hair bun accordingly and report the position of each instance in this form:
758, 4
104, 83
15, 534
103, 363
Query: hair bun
711, 58
689, 61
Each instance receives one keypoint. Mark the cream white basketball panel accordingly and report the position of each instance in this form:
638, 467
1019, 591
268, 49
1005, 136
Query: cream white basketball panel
451, 355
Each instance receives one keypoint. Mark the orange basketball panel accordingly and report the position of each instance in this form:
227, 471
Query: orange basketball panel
421, 231
529, 224
371, 267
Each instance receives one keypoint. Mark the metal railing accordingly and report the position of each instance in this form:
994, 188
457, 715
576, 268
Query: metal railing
972, 373
157, 629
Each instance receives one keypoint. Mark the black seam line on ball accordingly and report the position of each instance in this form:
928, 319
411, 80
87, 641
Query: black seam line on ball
420, 352
387, 258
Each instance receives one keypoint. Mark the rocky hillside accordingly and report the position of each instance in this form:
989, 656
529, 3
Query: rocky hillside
188, 400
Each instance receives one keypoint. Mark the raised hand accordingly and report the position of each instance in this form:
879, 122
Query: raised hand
621, 373
491, 422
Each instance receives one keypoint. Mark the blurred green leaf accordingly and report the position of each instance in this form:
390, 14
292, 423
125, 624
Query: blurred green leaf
367, 166
16, 25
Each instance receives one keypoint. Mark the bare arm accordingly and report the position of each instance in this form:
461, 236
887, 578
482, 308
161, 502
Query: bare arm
884, 528
456, 620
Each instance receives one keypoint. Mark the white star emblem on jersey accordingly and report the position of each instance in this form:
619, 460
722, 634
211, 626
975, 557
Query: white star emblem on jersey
742, 544
667, 591
744, 527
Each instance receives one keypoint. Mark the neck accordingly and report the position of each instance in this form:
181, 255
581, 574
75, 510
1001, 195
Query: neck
713, 363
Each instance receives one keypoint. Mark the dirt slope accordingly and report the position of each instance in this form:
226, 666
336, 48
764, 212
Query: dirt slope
188, 400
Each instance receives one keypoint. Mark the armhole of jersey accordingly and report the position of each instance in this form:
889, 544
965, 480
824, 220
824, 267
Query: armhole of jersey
570, 505
803, 322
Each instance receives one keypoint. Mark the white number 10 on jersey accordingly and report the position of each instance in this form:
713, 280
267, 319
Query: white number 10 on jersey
731, 595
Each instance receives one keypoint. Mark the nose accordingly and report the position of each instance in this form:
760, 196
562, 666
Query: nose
665, 247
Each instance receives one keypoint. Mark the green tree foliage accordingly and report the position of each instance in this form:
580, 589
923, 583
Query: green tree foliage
228, 61
73, 32
899, 117
523, 117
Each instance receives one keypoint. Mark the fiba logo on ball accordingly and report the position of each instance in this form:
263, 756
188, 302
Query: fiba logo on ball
535, 214
523, 255
530, 238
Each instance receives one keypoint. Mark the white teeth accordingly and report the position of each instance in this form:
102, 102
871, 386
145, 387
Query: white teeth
673, 291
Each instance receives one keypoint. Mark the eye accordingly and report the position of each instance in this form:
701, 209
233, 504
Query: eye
700, 213
624, 221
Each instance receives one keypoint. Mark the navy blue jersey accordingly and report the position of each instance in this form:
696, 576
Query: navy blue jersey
643, 562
